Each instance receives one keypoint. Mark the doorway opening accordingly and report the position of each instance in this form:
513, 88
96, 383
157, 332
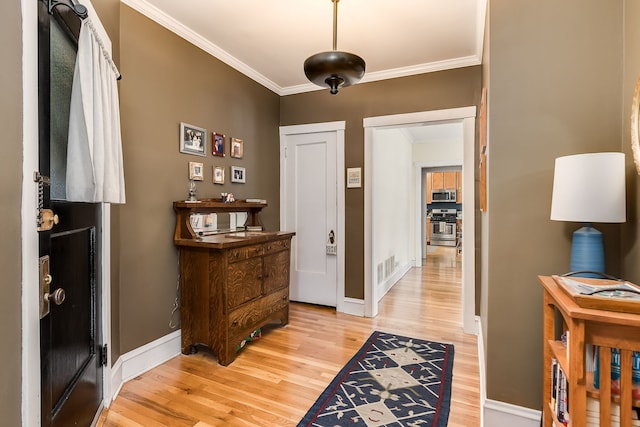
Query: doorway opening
375, 130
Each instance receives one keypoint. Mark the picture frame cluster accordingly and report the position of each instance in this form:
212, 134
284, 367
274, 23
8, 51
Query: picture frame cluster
194, 141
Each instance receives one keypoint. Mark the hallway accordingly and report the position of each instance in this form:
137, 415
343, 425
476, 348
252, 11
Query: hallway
275, 380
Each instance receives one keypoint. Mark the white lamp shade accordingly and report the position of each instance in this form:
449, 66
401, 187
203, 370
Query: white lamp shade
589, 188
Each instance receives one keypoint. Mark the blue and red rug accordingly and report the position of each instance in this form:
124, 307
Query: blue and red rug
391, 381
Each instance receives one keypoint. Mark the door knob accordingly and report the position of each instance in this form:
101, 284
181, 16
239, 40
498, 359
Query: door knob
57, 297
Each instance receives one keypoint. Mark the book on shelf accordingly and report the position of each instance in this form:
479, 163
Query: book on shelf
559, 393
615, 372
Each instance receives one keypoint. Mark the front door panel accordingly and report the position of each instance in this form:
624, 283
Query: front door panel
76, 387
70, 334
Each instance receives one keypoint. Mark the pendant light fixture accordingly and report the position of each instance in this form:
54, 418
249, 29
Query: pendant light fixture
334, 69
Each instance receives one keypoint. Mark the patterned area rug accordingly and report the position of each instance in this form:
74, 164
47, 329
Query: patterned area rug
391, 381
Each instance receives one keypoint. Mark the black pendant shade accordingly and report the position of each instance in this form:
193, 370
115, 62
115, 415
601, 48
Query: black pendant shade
334, 69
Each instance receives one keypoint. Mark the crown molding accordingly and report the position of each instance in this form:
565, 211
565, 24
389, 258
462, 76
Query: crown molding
196, 39
155, 14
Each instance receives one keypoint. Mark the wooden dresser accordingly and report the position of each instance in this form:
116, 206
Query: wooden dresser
230, 283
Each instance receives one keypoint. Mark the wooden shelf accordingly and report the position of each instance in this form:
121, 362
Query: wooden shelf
560, 353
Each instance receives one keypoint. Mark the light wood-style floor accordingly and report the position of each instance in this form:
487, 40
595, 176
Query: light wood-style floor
274, 381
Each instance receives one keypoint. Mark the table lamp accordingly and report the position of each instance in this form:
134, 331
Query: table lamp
589, 188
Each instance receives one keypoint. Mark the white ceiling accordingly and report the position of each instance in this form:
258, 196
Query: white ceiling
269, 40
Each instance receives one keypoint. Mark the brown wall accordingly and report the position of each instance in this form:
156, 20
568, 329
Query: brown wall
555, 89
10, 203
425, 92
167, 80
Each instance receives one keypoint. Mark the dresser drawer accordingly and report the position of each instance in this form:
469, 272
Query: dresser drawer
251, 315
245, 252
276, 246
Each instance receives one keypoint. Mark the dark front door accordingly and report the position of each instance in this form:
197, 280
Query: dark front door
70, 333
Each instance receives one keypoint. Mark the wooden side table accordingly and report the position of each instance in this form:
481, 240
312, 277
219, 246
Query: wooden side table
606, 329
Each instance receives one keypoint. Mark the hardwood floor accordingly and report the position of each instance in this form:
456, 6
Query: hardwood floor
274, 381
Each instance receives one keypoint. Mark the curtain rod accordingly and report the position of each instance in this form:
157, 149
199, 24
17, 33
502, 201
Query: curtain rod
77, 8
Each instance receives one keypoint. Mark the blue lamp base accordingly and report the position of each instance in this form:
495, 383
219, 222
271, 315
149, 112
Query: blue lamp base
587, 251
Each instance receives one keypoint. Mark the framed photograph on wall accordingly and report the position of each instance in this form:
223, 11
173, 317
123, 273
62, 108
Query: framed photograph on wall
238, 174
196, 171
193, 140
237, 148
217, 144
218, 175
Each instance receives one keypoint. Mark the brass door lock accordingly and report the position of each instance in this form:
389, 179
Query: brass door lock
47, 220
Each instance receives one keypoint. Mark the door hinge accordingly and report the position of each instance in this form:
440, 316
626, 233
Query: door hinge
103, 355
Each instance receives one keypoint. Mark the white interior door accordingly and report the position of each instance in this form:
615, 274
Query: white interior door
309, 207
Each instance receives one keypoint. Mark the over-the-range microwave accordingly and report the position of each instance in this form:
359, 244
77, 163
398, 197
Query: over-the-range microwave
443, 196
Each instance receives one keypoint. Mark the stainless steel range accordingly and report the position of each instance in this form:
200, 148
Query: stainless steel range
443, 227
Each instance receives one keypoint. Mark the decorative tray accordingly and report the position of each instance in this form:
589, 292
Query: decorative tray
602, 294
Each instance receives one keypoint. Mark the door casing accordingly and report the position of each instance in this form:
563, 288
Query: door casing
467, 116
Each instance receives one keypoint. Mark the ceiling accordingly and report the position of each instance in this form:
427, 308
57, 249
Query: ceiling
269, 40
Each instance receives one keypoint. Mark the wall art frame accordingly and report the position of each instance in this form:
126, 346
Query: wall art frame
196, 171
238, 174
193, 140
237, 148
635, 126
217, 144
218, 175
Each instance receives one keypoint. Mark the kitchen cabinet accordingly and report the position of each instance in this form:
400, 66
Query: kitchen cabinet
444, 180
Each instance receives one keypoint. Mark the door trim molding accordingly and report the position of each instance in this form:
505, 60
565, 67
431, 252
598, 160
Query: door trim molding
342, 303
31, 410
466, 115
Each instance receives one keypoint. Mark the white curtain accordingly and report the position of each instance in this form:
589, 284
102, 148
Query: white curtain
95, 171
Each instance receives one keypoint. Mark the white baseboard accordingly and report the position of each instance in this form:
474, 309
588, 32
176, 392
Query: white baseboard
482, 366
386, 286
501, 414
353, 306
143, 359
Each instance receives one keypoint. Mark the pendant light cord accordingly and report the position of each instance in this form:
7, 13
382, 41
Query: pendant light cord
335, 24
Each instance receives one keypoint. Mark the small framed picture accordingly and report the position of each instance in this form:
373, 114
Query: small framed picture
193, 140
238, 174
354, 177
218, 175
217, 144
237, 148
196, 171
